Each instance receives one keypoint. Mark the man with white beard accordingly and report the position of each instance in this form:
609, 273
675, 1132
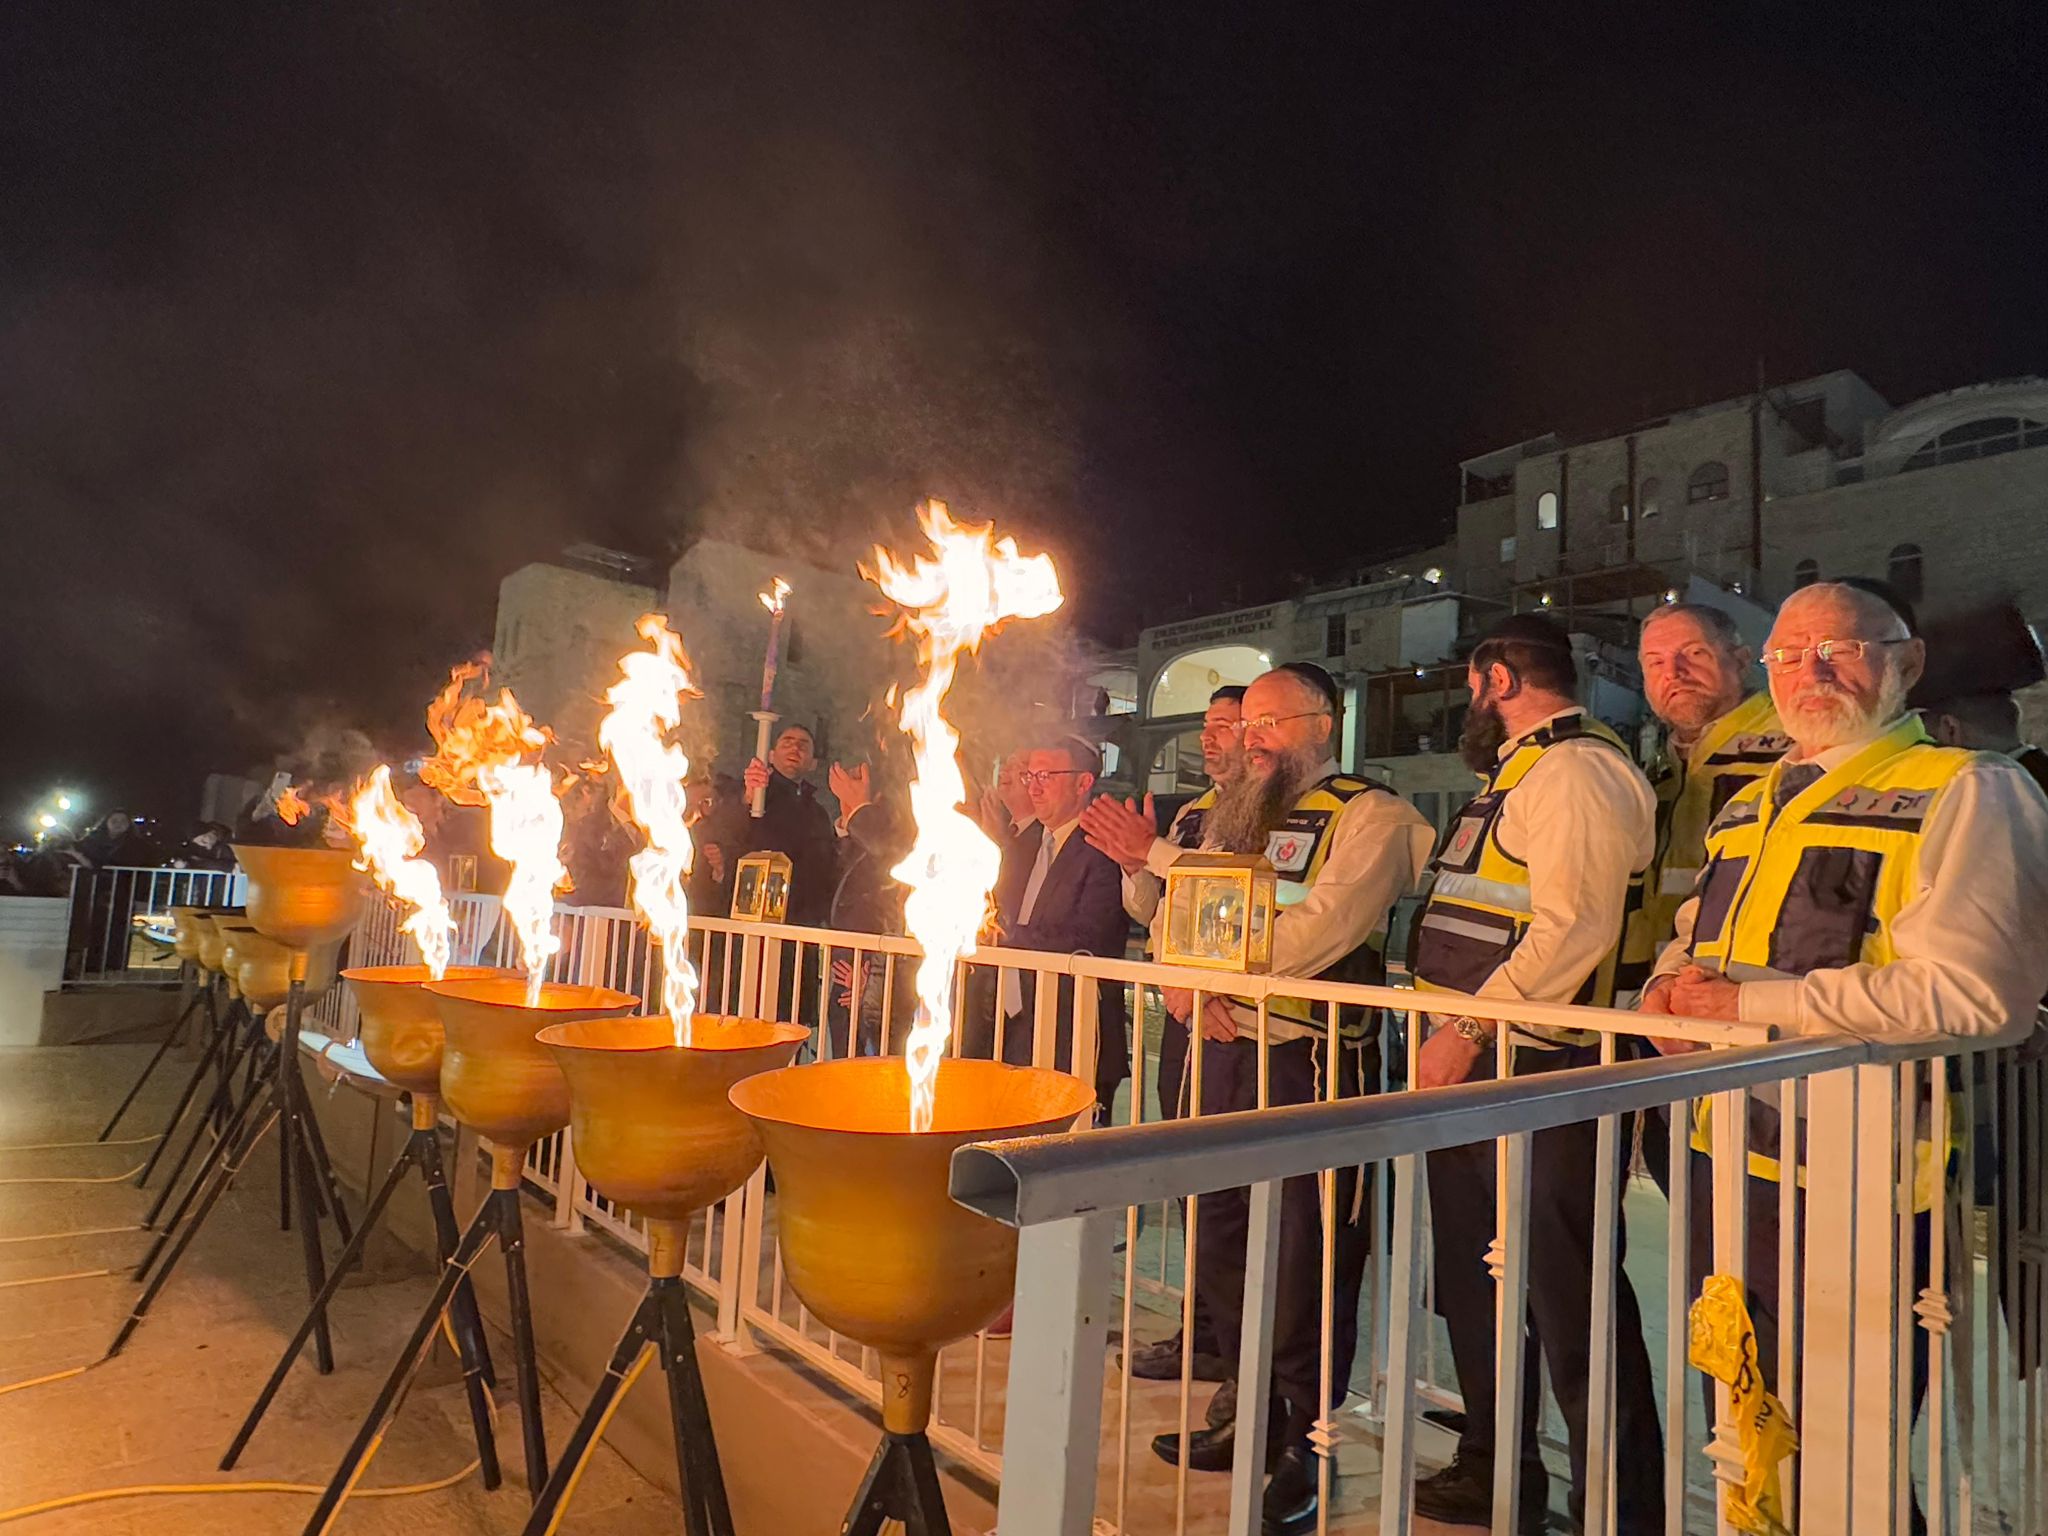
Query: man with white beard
1344, 849
1872, 884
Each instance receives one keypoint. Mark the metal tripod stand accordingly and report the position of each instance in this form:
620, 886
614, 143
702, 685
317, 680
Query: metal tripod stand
499, 1221
422, 1151
662, 1323
307, 1176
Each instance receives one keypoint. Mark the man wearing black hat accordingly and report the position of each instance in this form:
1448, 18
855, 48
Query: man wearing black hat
1529, 890
1344, 849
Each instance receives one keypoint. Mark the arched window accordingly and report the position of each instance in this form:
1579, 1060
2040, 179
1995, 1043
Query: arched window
1805, 573
1617, 504
1978, 440
1902, 568
1650, 498
1546, 510
1708, 483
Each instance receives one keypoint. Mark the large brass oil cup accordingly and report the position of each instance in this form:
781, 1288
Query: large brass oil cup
496, 1078
654, 1129
212, 940
302, 896
870, 1239
186, 923
401, 1031
262, 967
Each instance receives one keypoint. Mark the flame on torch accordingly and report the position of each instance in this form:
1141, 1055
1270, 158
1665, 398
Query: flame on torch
950, 599
772, 598
390, 837
488, 754
291, 806
646, 704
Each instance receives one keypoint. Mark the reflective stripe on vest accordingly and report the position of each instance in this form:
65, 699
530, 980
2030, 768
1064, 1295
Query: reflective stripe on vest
1735, 750
1297, 850
1816, 885
1479, 904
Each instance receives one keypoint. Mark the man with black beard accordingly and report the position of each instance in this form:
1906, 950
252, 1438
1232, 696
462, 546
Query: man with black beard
1344, 849
1528, 893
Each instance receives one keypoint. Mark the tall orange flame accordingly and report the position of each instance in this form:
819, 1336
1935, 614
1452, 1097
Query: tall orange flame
390, 837
489, 754
646, 704
951, 599
291, 806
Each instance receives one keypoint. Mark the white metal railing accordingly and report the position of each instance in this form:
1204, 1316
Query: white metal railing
1866, 1279
1981, 1432
120, 927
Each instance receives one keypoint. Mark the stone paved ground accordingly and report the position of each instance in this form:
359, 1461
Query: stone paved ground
163, 1411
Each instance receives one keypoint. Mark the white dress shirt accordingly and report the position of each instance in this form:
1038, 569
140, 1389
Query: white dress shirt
1145, 886
1971, 944
1583, 819
1378, 846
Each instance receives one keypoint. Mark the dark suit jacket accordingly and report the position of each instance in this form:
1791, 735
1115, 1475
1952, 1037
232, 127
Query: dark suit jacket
1079, 911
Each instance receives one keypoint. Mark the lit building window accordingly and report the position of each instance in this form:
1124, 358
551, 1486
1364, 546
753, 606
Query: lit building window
1617, 504
1507, 549
1546, 510
1805, 573
1650, 499
1708, 483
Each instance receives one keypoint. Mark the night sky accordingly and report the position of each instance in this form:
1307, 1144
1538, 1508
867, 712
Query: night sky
316, 320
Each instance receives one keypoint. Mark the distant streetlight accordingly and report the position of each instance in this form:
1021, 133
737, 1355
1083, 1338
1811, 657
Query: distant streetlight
63, 802
46, 821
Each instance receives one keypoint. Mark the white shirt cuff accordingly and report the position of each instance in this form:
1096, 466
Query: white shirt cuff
1768, 1002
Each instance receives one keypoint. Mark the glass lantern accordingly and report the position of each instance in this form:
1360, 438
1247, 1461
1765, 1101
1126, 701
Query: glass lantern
1219, 912
760, 888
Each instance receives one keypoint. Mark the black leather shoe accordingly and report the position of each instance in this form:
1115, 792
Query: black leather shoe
1462, 1494
1222, 1407
1160, 1361
1209, 1450
1291, 1493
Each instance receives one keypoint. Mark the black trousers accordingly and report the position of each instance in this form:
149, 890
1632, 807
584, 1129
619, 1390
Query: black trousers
1175, 1096
1563, 1174
1296, 1074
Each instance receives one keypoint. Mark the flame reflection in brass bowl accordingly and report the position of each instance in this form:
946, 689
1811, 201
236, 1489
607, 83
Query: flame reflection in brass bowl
401, 1030
870, 1239
495, 1077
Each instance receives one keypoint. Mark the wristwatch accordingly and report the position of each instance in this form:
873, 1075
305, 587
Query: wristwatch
1473, 1030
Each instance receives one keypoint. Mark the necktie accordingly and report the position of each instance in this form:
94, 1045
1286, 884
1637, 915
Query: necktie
1013, 984
1037, 880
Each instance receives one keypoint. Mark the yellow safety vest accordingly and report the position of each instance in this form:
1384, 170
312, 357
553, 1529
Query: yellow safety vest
1739, 747
1816, 885
1297, 849
1479, 905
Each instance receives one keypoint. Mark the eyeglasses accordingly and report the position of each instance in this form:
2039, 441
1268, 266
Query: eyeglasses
1783, 658
1263, 723
1223, 727
1035, 778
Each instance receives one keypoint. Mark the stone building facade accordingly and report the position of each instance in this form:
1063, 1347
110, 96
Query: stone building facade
562, 625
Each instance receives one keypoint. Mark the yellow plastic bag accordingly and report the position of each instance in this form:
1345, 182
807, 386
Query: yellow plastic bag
1723, 1344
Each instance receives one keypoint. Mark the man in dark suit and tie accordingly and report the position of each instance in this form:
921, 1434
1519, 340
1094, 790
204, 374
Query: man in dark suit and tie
1072, 904
1007, 817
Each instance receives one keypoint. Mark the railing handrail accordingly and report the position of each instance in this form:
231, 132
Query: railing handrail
1028, 1180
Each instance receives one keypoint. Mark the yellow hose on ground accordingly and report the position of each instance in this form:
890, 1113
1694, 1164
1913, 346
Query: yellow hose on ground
179, 1490
111, 1178
63, 1146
